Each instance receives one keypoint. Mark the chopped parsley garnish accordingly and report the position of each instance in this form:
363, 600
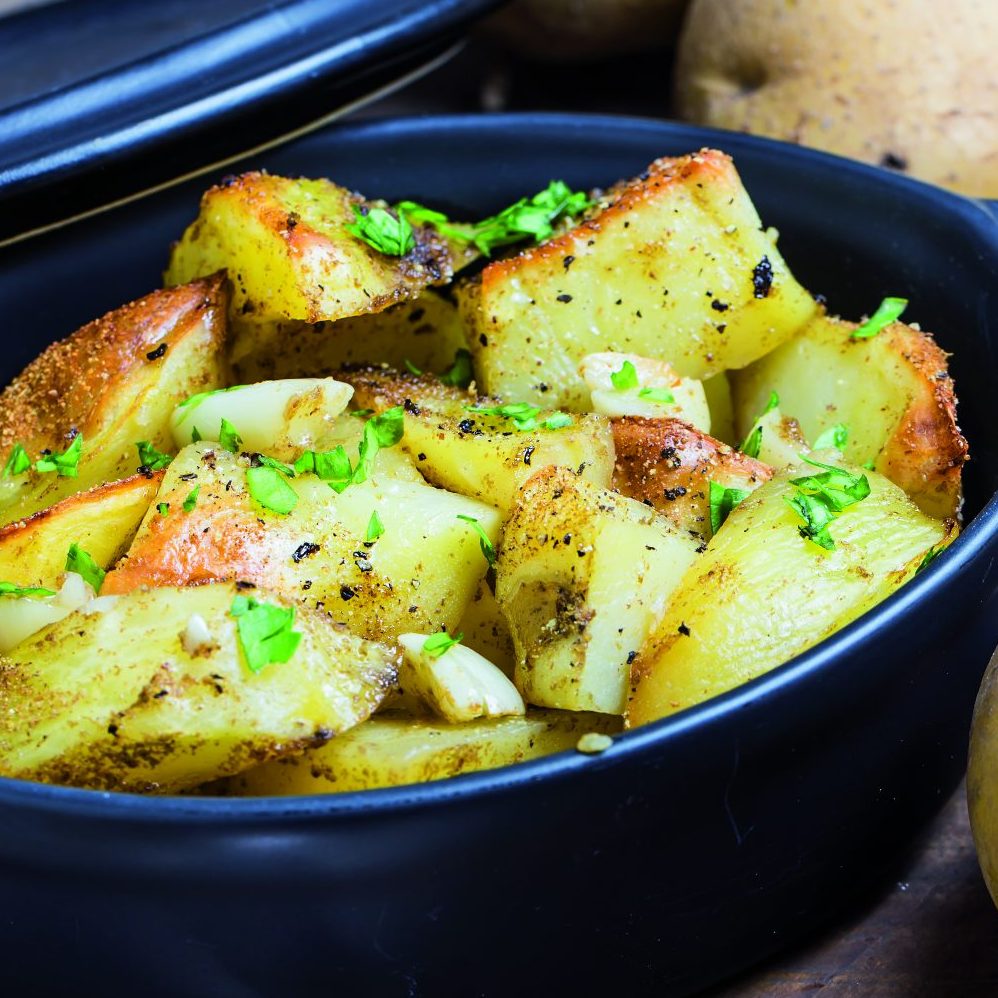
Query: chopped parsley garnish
524, 416
163, 508
151, 458
18, 462
270, 489
928, 558
192, 499
888, 311
195, 435
437, 644
411, 368
535, 216
229, 437
77, 560
869, 465
272, 462
331, 466
660, 396
753, 442
30, 592
818, 499
265, 632
484, 541
196, 400
375, 528
66, 464
384, 231
362, 413
626, 378
722, 501
835, 436
460, 374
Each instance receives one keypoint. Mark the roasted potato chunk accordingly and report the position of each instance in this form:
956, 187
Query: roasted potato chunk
420, 573
675, 265
762, 593
116, 382
462, 443
486, 631
892, 392
157, 713
391, 750
669, 465
582, 576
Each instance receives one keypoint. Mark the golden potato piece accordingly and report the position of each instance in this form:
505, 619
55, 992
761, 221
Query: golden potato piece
892, 391
103, 520
115, 381
460, 446
674, 266
158, 713
669, 465
582, 577
762, 594
391, 750
486, 631
420, 573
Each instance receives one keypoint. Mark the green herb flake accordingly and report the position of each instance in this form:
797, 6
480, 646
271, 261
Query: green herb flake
752, 444
626, 378
836, 436
77, 560
362, 413
484, 541
332, 467
375, 528
265, 632
18, 462
722, 501
195, 435
150, 457
270, 489
556, 421
195, 400
869, 465
66, 464
437, 644
192, 499
229, 437
163, 508
927, 559
838, 488
461, 373
272, 462
24, 592
816, 517
382, 431
888, 311
411, 368
773, 403
382, 230
660, 396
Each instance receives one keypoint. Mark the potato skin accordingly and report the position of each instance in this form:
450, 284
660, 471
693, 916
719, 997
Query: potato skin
853, 79
669, 465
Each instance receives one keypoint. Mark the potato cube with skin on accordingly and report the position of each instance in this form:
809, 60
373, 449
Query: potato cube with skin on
421, 571
629, 385
150, 715
891, 391
762, 593
582, 577
673, 265
116, 382
392, 749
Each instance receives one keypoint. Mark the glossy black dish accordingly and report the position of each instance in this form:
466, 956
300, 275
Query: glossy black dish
690, 849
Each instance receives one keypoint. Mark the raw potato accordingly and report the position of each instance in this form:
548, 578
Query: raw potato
102, 520
669, 466
421, 573
479, 455
426, 331
762, 594
853, 79
582, 577
392, 750
892, 391
86, 709
671, 266
102, 383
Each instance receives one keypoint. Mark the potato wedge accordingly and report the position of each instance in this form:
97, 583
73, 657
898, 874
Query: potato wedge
103, 520
674, 265
421, 572
582, 577
427, 331
82, 708
22, 616
115, 381
669, 466
392, 750
892, 391
762, 594
478, 454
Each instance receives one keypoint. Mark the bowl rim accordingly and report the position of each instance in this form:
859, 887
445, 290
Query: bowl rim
978, 538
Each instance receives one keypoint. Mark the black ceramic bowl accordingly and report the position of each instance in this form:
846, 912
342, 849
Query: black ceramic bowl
692, 847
